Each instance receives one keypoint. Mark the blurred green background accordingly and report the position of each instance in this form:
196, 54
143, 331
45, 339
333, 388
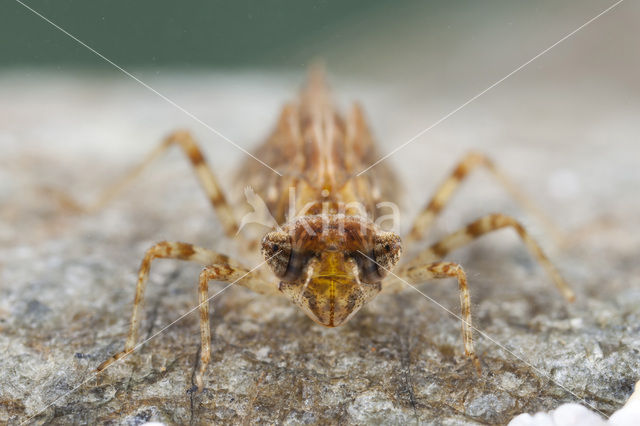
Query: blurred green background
185, 34
427, 45
454, 43
284, 33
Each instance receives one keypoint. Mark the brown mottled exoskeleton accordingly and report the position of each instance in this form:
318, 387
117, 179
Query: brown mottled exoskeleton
328, 254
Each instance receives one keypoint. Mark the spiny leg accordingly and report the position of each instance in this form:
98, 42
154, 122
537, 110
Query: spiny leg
425, 219
438, 270
482, 226
202, 170
227, 269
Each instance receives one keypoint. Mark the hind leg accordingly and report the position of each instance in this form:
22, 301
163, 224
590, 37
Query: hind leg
203, 173
471, 161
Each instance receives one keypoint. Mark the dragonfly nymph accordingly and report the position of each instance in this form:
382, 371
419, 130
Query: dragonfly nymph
329, 252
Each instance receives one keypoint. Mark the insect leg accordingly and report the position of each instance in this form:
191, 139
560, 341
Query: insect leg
425, 219
203, 173
212, 273
439, 270
205, 330
482, 226
227, 270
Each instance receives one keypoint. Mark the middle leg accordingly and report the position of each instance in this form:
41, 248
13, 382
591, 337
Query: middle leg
485, 225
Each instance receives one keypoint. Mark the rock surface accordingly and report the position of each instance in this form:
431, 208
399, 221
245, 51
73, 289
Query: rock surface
67, 281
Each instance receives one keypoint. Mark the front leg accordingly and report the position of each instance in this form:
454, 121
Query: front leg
224, 273
220, 267
439, 270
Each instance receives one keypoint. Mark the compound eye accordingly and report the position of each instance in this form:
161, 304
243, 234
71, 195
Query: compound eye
276, 250
387, 249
